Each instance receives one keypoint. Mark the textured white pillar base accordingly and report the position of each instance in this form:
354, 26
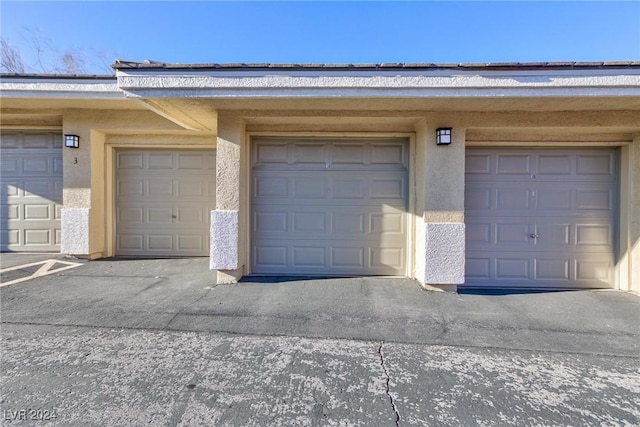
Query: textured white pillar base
228, 277
444, 253
224, 240
75, 231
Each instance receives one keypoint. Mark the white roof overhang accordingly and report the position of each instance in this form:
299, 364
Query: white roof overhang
326, 83
59, 87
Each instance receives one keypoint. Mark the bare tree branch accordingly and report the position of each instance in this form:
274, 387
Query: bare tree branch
42, 46
42, 56
11, 58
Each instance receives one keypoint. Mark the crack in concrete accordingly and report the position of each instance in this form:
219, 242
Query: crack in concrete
180, 310
387, 386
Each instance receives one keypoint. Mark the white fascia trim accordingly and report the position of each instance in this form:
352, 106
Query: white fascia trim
16, 87
364, 84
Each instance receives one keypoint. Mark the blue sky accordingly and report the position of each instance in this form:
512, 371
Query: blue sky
329, 31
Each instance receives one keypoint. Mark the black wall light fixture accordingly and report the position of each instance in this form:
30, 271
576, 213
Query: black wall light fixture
443, 136
71, 141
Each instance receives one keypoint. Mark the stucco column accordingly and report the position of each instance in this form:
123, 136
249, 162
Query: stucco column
80, 223
633, 193
227, 233
443, 229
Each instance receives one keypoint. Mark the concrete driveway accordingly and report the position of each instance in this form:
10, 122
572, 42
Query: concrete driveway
116, 342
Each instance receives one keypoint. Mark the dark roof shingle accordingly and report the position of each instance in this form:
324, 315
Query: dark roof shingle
153, 65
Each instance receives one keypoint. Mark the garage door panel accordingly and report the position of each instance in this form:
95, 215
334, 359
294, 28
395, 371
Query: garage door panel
344, 223
160, 161
554, 164
388, 154
547, 199
308, 223
277, 222
387, 223
348, 257
270, 153
540, 217
130, 187
160, 242
125, 160
130, 242
343, 188
598, 198
11, 140
594, 236
385, 258
12, 237
11, 212
37, 212
329, 207
510, 267
130, 215
38, 141
597, 164
309, 256
191, 188
478, 198
352, 154
191, 242
309, 153
594, 270
10, 164
478, 267
57, 166
478, 164
188, 215
159, 187
513, 199
38, 165
270, 187
513, 235
163, 202
553, 235
11, 188
38, 237
479, 233
160, 216
392, 188
313, 187
37, 188
556, 269
31, 190
513, 164
188, 161
265, 256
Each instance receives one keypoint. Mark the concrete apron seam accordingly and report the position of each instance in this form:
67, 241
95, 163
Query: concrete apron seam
320, 337
387, 385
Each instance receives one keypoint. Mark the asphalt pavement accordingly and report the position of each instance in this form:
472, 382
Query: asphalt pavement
157, 342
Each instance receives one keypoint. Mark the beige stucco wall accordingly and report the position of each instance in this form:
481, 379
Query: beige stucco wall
437, 172
231, 187
442, 175
87, 174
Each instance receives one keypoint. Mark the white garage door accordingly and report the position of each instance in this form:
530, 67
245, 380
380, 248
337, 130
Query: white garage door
31, 191
329, 207
540, 218
163, 202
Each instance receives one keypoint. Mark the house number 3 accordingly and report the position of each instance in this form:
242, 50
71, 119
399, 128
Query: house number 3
75, 160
